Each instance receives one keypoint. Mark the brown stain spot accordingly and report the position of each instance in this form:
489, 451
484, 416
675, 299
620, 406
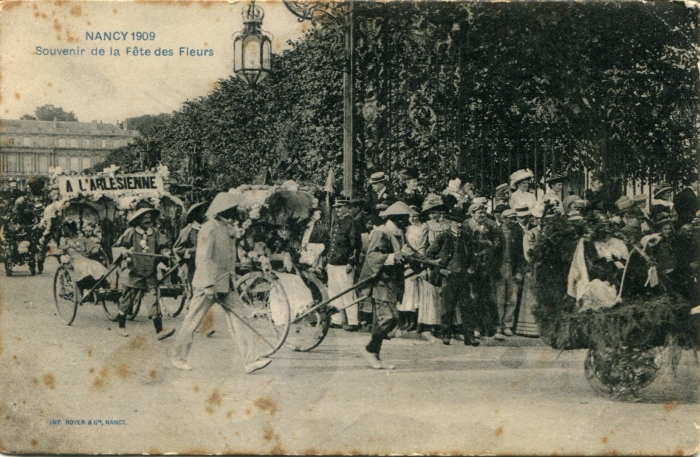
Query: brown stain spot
206, 44
310, 451
237, 433
57, 25
265, 404
60, 345
137, 343
668, 407
76, 11
268, 434
214, 398
679, 451
613, 452
604, 440
98, 383
104, 372
89, 351
44, 16
153, 373
50, 381
195, 388
114, 11
89, 23
153, 451
278, 450
229, 414
123, 371
17, 97
309, 409
58, 38
514, 383
35, 381
13, 4
390, 389
14, 356
196, 451
207, 322
91, 370
206, 4
499, 431
209, 409
248, 411
34, 442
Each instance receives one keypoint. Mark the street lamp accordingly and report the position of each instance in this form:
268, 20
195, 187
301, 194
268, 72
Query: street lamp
252, 47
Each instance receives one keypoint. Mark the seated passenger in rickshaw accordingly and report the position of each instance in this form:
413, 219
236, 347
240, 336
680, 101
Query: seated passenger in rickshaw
75, 248
139, 269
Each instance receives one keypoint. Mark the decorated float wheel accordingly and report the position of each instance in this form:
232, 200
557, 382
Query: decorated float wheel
620, 373
308, 332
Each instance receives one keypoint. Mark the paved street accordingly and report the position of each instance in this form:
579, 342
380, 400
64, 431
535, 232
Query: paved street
520, 397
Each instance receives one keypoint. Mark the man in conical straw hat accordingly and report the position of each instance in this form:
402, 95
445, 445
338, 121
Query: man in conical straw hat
142, 240
385, 255
215, 263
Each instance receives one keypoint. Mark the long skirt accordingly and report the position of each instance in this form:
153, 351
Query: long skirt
527, 325
86, 268
414, 290
429, 304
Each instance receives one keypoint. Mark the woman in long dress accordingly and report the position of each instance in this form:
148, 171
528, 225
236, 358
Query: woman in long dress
75, 245
414, 287
527, 325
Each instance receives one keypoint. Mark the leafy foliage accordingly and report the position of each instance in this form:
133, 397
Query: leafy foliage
49, 112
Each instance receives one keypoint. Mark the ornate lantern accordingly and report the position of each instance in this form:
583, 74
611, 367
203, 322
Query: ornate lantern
252, 47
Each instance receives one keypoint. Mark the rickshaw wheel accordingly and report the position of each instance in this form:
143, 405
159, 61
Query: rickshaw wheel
171, 305
308, 332
264, 309
111, 307
66, 294
620, 373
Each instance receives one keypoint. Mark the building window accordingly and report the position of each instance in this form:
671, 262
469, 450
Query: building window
75, 164
43, 142
11, 161
86, 143
61, 142
10, 141
27, 163
62, 163
28, 142
43, 163
74, 143
103, 143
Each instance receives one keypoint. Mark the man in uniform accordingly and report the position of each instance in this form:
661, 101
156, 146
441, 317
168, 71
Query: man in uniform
385, 257
343, 251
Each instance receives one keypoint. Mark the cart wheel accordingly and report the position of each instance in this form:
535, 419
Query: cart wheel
620, 373
264, 309
112, 309
135, 309
110, 299
171, 299
308, 332
65, 294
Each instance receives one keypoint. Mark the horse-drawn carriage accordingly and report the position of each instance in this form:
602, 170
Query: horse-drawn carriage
19, 237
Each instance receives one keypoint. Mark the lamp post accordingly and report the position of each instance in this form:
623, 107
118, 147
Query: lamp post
252, 47
341, 13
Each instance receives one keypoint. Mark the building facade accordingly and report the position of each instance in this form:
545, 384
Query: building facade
29, 148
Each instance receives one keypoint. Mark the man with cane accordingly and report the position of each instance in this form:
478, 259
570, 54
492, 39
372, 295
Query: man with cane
215, 263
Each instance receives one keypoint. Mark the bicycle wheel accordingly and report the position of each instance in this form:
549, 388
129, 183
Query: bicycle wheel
308, 332
109, 298
65, 294
264, 309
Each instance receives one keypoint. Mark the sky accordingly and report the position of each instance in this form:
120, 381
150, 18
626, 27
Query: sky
110, 88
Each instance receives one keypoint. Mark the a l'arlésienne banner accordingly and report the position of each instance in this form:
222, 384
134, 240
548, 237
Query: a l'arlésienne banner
105, 184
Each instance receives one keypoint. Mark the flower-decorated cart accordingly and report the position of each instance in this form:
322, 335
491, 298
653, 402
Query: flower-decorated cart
630, 336
86, 216
19, 237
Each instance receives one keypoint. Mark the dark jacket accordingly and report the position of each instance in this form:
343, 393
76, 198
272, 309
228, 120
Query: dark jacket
345, 243
517, 256
686, 204
482, 246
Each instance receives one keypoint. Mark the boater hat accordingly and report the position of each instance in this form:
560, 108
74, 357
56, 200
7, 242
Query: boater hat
501, 188
377, 177
134, 219
522, 211
398, 209
476, 207
509, 213
661, 188
341, 202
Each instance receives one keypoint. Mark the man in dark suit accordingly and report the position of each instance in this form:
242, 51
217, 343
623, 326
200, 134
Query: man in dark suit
510, 260
378, 192
687, 202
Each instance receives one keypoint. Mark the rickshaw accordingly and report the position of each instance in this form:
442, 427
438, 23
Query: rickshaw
105, 212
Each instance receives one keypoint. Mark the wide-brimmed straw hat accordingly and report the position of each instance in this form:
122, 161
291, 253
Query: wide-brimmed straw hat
522, 211
134, 219
222, 202
433, 202
398, 209
661, 188
518, 176
193, 211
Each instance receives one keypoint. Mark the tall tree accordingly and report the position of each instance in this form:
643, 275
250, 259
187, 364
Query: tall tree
49, 112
